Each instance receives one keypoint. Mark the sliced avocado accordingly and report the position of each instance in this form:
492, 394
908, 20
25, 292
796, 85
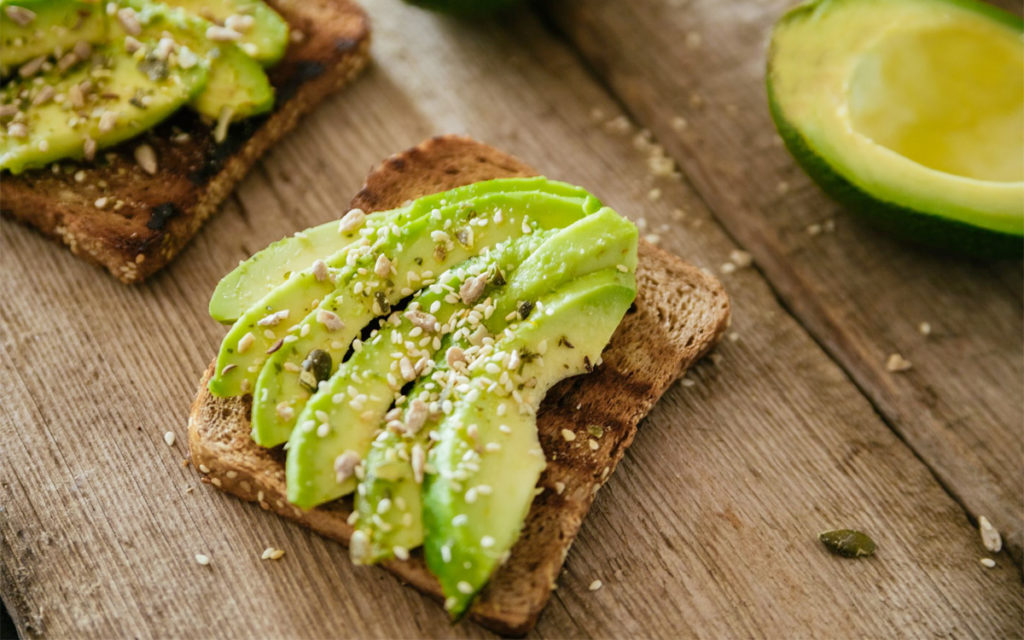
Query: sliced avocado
345, 414
275, 317
413, 257
911, 112
114, 97
256, 277
262, 33
237, 87
482, 471
30, 29
598, 242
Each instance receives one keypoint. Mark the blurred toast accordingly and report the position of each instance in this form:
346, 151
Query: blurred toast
145, 220
680, 313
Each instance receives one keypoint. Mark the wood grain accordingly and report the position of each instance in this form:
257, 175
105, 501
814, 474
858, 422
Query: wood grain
707, 530
698, 85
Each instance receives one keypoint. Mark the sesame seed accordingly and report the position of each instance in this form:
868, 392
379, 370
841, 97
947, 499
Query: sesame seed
146, 158
988, 563
486, 542
568, 435
460, 520
727, 268
559, 487
169, 438
595, 585
400, 552
464, 587
101, 202
202, 559
925, 329
594, 446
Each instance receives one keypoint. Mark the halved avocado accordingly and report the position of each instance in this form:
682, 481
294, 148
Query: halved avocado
910, 112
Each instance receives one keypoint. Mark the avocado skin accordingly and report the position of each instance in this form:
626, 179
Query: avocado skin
915, 226
918, 227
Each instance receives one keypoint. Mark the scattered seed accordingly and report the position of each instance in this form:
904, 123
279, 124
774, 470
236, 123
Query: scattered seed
988, 563
925, 329
568, 435
202, 559
741, 259
270, 553
848, 543
595, 585
897, 363
146, 158
989, 535
169, 438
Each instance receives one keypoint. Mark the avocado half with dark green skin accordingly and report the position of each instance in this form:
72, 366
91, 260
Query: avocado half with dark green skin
909, 112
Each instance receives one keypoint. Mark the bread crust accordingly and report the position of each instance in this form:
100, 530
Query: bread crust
147, 219
679, 315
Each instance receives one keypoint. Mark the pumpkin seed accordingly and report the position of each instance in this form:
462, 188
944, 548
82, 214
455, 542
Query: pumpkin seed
848, 543
315, 368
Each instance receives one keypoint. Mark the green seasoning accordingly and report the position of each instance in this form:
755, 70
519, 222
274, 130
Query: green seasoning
911, 112
88, 75
402, 355
848, 543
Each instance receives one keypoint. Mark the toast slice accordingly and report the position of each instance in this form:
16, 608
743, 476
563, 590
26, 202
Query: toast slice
147, 219
680, 313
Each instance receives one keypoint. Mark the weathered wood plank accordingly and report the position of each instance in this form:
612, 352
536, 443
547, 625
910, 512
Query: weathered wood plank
693, 72
708, 529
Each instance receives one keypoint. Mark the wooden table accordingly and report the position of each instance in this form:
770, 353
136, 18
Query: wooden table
709, 528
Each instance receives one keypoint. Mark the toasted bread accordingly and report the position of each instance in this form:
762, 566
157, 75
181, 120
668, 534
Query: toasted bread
146, 219
680, 313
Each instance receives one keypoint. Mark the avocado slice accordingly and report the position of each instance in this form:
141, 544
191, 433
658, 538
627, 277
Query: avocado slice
911, 112
112, 98
482, 472
262, 33
31, 29
598, 242
281, 314
257, 276
237, 88
412, 257
345, 414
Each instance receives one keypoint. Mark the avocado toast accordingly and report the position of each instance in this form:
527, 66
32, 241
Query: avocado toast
135, 205
583, 425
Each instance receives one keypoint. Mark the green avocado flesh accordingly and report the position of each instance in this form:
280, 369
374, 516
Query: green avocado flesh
911, 112
403, 355
87, 75
126, 96
263, 35
33, 28
601, 241
475, 495
260, 274
237, 87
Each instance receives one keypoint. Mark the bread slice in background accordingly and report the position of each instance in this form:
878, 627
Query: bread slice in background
147, 219
680, 313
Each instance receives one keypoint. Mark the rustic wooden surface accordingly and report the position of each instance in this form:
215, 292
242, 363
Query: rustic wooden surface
709, 527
